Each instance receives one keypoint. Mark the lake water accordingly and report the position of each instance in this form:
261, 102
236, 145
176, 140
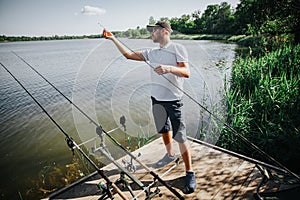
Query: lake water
34, 156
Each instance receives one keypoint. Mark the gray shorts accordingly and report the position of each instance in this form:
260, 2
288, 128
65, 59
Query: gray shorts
166, 113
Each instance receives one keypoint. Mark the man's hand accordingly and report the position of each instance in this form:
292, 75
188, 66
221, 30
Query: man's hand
107, 34
163, 69
181, 70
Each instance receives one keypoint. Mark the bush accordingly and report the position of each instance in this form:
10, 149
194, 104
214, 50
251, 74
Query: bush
264, 105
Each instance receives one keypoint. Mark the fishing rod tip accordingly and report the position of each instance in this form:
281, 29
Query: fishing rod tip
101, 25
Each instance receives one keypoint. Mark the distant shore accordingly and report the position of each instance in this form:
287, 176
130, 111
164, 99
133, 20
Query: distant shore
221, 37
4, 38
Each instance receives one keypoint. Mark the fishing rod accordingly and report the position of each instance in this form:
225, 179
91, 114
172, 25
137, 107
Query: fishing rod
154, 181
208, 111
72, 144
98, 126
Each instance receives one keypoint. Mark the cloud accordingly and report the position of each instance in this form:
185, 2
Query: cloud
89, 10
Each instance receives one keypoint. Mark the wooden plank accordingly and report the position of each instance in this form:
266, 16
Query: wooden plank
216, 168
219, 175
235, 182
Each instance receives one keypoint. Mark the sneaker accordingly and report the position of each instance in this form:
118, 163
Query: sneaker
165, 160
190, 183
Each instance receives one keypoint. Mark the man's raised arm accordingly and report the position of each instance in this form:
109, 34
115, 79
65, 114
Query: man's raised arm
127, 53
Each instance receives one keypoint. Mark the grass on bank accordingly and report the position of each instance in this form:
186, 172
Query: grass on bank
264, 105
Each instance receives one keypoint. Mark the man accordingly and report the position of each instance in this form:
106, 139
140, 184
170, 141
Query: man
170, 67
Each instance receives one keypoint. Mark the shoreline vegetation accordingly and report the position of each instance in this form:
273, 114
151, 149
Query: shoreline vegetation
125, 34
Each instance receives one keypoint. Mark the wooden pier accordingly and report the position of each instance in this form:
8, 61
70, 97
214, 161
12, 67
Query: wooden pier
219, 176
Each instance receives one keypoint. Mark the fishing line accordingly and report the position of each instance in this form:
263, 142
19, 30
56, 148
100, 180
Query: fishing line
185, 93
98, 126
91, 120
216, 117
70, 142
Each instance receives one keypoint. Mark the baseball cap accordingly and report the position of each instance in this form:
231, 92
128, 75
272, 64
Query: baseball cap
160, 24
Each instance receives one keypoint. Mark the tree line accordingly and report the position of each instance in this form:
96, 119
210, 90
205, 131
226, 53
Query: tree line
250, 17
4, 38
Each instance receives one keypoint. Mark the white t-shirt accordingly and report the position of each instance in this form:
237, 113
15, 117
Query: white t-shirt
162, 85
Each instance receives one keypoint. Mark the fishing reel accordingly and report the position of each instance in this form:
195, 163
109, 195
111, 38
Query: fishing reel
129, 165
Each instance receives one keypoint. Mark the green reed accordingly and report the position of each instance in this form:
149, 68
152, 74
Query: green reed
263, 104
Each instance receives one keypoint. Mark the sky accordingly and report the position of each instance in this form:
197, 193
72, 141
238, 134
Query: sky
82, 17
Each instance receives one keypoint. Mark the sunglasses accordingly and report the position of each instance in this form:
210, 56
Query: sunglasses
155, 29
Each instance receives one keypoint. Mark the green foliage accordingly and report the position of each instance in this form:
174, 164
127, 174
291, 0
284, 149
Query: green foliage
216, 19
264, 104
52, 177
134, 143
133, 33
152, 20
251, 17
269, 17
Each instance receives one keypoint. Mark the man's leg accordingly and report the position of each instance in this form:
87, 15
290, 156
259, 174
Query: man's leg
167, 138
190, 179
186, 156
180, 136
170, 155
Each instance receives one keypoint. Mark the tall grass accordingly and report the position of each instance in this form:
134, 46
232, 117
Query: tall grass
264, 105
